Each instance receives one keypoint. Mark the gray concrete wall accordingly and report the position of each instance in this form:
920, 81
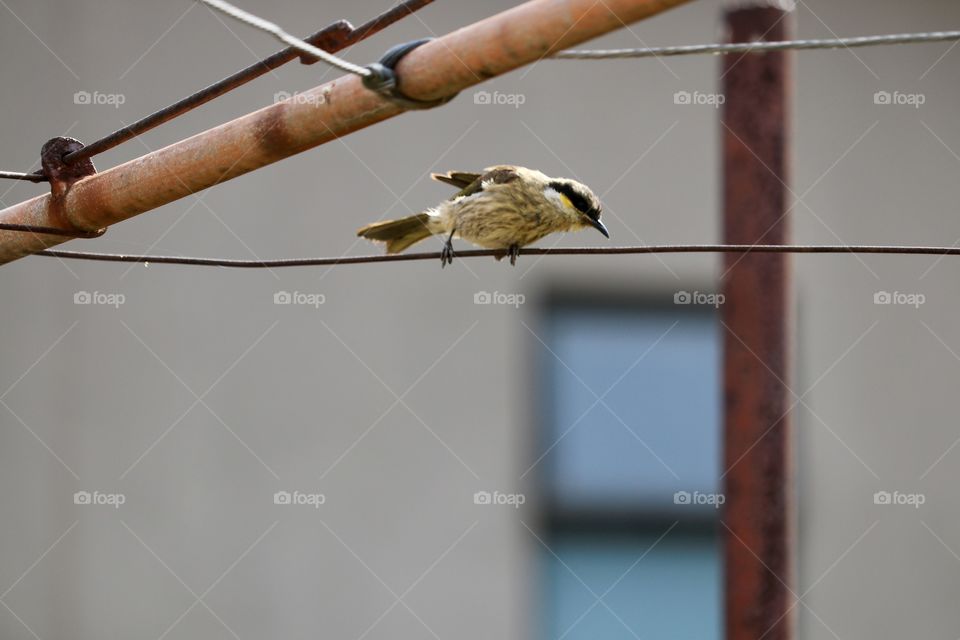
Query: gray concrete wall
198, 398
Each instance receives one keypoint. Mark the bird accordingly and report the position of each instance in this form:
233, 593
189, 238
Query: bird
505, 207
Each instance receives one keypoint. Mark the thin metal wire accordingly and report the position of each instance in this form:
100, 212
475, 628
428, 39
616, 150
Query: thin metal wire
385, 19
283, 36
530, 251
405, 8
747, 47
50, 231
328, 34
17, 175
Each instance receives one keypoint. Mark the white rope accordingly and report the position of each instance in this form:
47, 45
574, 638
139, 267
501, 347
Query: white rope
283, 36
748, 47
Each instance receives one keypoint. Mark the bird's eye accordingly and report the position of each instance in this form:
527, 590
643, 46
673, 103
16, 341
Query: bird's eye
577, 199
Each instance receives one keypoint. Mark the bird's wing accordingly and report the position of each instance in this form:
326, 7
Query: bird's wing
459, 179
471, 183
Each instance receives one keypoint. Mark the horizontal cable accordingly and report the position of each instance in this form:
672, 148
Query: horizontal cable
530, 251
405, 8
50, 231
286, 38
388, 17
17, 175
251, 141
747, 47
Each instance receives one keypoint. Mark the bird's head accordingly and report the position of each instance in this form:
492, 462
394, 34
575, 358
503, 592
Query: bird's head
578, 202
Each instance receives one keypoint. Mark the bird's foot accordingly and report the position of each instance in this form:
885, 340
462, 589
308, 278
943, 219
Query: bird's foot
513, 252
446, 254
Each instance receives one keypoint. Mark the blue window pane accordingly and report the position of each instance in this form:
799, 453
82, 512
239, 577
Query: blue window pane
656, 430
672, 592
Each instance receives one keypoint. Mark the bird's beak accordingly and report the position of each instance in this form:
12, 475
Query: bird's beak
596, 224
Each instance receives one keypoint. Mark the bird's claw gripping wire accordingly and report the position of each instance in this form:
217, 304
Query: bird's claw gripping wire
383, 78
446, 254
513, 252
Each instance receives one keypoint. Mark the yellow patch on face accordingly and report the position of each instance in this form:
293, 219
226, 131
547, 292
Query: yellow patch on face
566, 201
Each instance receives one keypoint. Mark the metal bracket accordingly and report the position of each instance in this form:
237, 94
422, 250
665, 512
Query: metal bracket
331, 38
383, 78
61, 176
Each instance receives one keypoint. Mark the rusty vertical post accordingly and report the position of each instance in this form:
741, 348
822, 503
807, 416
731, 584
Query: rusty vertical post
758, 481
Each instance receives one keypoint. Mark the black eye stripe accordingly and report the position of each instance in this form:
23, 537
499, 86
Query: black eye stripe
581, 203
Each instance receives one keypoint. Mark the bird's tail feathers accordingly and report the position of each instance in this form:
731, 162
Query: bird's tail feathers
399, 234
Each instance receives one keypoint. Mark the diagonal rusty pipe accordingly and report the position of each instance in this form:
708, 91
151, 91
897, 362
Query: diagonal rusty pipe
466, 57
331, 38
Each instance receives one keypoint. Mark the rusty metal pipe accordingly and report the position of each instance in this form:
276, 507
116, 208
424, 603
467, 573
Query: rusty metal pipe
466, 57
758, 480
331, 38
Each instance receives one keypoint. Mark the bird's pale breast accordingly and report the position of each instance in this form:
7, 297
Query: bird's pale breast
504, 217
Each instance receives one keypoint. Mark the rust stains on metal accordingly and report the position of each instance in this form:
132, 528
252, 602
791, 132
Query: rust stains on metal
272, 137
437, 69
61, 176
331, 38
385, 19
758, 516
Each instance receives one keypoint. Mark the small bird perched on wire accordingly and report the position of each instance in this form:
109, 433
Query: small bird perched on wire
505, 207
